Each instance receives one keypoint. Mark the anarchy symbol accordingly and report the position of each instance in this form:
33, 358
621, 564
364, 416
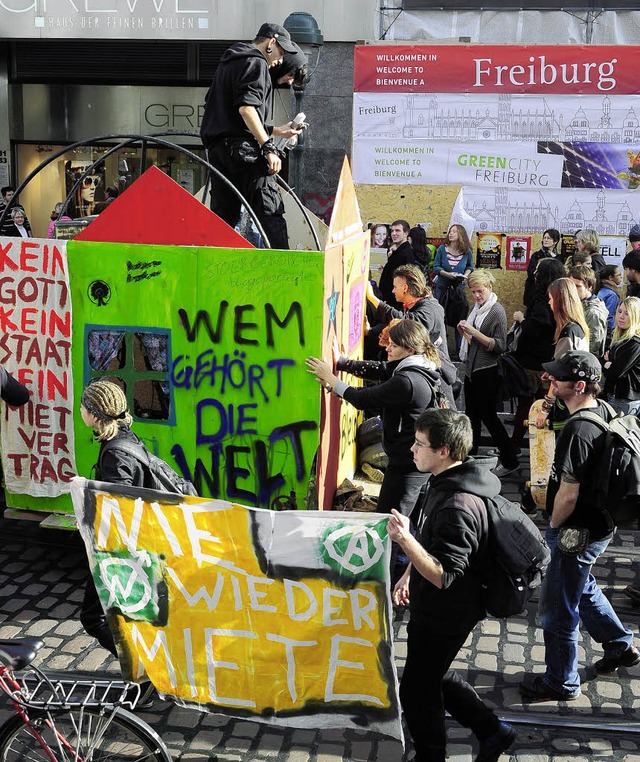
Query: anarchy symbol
363, 549
121, 577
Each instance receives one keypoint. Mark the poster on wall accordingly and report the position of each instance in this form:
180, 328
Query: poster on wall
489, 250
518, 252
88, 193
567, 245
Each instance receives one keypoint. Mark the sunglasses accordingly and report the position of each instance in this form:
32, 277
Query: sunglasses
91, 180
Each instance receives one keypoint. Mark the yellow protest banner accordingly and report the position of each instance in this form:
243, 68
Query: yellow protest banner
281, 616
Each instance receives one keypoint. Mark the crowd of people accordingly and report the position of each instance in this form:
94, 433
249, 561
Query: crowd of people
577, 341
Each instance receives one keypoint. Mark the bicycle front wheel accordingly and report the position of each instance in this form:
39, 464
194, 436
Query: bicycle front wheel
88, 736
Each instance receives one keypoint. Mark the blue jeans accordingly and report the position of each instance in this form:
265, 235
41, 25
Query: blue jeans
569, 593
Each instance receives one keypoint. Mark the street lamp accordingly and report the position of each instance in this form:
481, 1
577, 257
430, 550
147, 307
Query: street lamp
304, 31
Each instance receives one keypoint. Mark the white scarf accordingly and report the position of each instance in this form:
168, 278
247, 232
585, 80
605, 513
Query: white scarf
476, 318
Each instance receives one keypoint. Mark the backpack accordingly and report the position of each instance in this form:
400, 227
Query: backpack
454, 303
616, 479
158, 475
514, 376
438, 397
517, 558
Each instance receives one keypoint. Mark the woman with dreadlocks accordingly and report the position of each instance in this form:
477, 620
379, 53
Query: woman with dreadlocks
103, 408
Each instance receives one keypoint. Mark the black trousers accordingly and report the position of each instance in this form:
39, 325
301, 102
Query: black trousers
94, 620
251, 179
482, 397
428, 688
400, 490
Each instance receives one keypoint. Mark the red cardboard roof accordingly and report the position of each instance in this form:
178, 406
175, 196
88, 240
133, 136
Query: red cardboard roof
155, 209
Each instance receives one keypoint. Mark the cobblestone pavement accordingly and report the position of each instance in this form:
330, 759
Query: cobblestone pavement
41, 582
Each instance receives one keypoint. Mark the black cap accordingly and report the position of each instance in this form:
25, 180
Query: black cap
283, 38
575, 366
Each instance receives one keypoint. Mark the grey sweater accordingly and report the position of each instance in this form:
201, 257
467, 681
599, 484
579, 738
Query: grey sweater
495, 326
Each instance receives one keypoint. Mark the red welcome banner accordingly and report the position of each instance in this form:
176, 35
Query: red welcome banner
566, 69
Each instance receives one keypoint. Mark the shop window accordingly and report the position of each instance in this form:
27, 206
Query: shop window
138, 360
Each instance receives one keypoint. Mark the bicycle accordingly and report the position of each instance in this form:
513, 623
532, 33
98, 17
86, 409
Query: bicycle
66, 720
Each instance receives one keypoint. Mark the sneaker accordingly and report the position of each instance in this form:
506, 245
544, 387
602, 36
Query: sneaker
491, 748
609, 664
534, 688
375, 474
502, 471
633, 592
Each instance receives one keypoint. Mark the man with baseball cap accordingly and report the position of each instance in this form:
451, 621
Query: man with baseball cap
579, 531
237, 131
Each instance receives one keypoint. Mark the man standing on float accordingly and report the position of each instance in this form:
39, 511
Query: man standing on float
236, 131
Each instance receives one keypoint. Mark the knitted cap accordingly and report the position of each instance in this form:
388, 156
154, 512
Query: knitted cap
105, 400
634, 233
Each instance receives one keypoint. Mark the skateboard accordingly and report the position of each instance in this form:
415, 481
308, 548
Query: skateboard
542, 445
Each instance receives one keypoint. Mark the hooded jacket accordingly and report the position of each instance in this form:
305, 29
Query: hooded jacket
241, 79
596, 315
453, 528
119, 466
535, 345
623, 374
401, 398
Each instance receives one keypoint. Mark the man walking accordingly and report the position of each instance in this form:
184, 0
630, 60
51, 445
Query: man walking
579, 531
399, 253
237, 131
443, 587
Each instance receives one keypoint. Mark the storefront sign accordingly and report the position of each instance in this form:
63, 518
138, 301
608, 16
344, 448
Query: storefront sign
169, 19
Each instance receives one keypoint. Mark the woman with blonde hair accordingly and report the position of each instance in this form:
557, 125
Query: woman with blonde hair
484, 338
588, 242
572, 333
622, 361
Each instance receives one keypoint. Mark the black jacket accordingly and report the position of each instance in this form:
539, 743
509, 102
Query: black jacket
453, 528
241, 79
530, 284
622, 377
403, 255
401, 398
117, 466
11, 390
536, 342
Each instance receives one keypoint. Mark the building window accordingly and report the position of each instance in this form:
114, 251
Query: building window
138, 360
